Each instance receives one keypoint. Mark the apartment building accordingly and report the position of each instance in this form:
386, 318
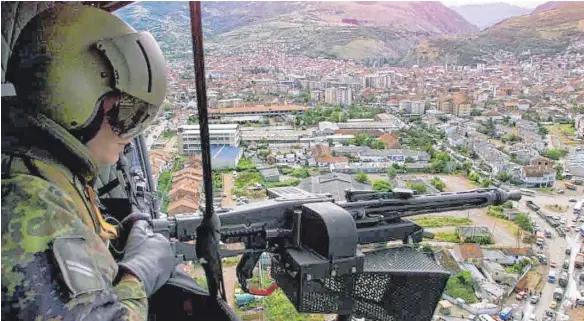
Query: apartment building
418, 107
265, 111
462, 105
219, 134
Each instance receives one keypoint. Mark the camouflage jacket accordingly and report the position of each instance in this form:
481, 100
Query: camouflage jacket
55, 265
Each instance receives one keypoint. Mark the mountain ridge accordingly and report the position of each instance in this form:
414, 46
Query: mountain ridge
346, 30
545, 31
486, 15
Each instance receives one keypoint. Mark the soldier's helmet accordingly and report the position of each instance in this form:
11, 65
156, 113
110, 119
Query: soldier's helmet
68, 58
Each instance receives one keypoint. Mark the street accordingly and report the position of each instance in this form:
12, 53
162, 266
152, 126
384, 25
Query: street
555, 251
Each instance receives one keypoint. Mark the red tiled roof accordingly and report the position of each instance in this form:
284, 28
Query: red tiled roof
470, 251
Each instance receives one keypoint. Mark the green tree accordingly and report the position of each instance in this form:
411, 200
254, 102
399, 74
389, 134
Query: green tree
420, 188
438, 183
524, 222
503, 176
361, 177
376, 144
392, 172
300, 173
179, 163
476, 112
443, 118
474, 177
193, 120
263, 153
460, 285
555, 154
467, 165
486, 182
381, 185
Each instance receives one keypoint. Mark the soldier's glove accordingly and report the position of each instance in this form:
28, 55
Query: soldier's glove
148, 256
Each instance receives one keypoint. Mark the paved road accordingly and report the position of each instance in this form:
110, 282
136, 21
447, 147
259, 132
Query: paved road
555, 250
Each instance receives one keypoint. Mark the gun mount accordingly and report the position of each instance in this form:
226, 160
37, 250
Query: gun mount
314, 245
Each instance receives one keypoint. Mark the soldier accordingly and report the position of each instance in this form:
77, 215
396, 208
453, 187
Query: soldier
86, 84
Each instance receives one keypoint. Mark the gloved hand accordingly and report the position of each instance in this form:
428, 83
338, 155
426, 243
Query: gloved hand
148, 256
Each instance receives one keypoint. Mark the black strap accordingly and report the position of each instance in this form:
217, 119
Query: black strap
32, 168
108, 187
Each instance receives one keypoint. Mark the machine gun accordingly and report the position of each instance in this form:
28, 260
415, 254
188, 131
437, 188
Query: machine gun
314, 244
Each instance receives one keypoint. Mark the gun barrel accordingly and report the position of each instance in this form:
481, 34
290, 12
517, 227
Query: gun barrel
271, 214
397, 207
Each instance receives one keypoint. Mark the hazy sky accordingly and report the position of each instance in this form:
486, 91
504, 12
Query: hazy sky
520, 3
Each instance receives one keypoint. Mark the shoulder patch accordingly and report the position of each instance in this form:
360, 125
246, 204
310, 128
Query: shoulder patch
78, 269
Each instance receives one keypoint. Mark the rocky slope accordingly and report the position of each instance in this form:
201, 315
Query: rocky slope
351, 30
554, 28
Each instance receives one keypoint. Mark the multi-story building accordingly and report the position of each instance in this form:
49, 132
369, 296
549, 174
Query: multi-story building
446, 104
376, 81
418, 107
462, 105
219, 134
229, 103
266, 111
330, 95
579, 125
344, 96
539, 173
405, 106
317, 95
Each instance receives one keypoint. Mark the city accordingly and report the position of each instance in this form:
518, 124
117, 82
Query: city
322, 125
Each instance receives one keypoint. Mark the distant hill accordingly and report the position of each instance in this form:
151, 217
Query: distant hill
546, 6
541, 32
350, 30
347, 30
486, 15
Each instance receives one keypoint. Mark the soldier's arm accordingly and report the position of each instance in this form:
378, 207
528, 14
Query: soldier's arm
55, 266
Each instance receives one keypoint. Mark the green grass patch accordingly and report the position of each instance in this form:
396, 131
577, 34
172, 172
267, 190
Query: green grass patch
288, 182
278, 307
441, 221
230, 261
245, 179
245, 164
460, 285
566, 130
446, 237
546, 190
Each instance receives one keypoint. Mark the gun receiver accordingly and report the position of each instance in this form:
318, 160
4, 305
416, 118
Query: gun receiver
314, 245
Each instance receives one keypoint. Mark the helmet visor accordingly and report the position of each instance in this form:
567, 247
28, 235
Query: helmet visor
131, 116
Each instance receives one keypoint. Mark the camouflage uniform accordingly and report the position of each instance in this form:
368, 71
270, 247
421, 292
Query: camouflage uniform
55, 265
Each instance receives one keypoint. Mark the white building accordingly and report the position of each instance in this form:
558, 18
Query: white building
418, 107
405, 106
344, 96
376, 81
330, 95
219, 134
229, 103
